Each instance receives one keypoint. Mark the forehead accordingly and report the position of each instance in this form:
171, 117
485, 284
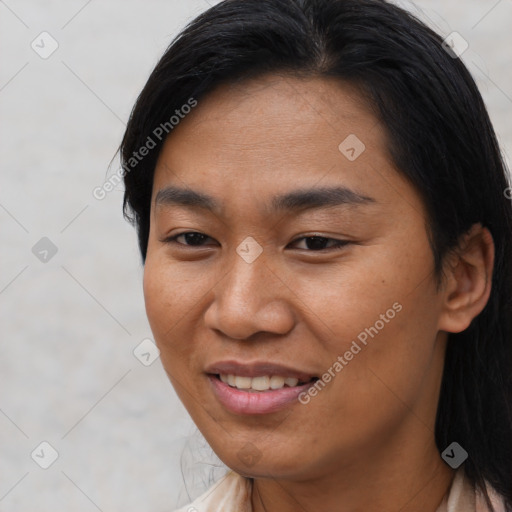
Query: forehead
250, 140
285, 106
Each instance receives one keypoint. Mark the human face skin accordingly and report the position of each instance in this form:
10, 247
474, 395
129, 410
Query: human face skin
367, 438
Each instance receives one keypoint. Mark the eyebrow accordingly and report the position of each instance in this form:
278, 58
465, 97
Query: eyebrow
292, 202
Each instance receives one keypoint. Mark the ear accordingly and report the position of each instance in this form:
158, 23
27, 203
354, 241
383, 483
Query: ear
468, 280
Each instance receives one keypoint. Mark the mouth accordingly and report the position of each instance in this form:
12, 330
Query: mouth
242, 398
262, 383
257, 387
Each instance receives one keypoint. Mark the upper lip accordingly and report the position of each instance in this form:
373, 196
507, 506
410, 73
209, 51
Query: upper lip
257, 369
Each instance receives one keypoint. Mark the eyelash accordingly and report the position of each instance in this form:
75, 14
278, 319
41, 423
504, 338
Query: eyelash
339, 244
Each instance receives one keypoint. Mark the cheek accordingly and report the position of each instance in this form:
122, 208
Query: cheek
352, 296
157, 296
165, 304
392, 375
381, 316
171, 292
167, 300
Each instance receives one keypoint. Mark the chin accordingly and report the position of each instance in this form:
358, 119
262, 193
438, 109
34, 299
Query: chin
265, 468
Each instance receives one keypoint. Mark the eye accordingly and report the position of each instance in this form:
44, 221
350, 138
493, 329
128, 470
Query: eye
316, 243
313, 243
195, 238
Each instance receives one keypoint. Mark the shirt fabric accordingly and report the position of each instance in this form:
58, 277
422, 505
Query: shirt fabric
232, 493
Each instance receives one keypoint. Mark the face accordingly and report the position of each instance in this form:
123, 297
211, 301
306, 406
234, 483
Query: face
333, 281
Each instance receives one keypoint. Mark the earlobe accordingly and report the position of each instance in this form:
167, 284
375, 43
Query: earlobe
468, 272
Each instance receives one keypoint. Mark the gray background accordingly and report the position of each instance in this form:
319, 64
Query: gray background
69, 325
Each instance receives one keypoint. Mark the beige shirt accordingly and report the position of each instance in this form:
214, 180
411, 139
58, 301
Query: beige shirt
232, 493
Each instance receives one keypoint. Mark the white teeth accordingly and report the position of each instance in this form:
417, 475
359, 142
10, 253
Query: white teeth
276, 382
262, 383
243, 382
291, 381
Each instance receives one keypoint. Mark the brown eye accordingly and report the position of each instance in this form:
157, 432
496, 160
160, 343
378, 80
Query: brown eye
317, 243
192, 239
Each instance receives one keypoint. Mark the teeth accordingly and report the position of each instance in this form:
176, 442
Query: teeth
276, 382
290, 381
262, 383
243, 382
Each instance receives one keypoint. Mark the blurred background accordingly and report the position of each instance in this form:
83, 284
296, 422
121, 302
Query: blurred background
88, 418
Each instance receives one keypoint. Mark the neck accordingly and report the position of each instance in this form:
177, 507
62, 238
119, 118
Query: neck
406, 483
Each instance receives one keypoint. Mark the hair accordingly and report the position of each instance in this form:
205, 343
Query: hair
440, 138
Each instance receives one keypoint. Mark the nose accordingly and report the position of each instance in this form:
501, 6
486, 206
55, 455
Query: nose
249, 299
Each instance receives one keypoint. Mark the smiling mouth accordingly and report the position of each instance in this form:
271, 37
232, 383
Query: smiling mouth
262, 383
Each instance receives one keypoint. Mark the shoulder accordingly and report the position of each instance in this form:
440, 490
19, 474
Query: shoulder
464, 497
232, 493
497, 500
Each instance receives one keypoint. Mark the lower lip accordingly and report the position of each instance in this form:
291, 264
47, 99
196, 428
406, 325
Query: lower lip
259, 402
